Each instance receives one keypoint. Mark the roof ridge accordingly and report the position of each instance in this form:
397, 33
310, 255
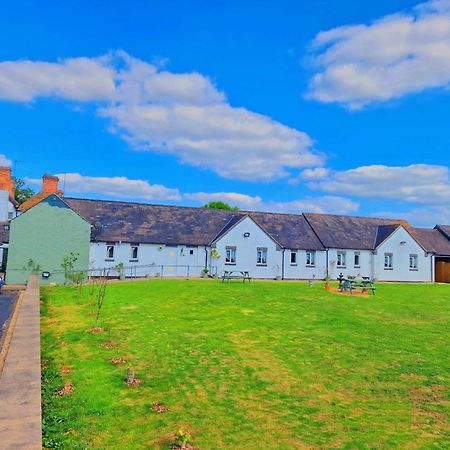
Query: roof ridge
357, 217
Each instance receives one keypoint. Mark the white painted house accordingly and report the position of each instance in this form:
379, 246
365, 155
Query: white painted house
400, 257
156, 240
173, 241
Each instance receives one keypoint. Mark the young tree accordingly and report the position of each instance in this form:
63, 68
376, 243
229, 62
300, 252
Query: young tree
68, 263
22, 192
220, 205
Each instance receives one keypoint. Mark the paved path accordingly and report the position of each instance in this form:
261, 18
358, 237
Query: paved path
20, 382
7, 303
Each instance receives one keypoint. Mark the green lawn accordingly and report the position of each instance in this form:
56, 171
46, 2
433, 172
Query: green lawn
264, 365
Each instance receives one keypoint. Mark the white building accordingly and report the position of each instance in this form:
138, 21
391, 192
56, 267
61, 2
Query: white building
157, 240
8, 210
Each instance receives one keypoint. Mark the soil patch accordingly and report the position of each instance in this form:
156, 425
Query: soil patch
356, 293
95, 330
116, 361
159, 408
65, 370
109, 344
135, 383
66, 390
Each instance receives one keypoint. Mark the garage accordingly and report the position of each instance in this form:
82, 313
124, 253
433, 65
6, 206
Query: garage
442, 274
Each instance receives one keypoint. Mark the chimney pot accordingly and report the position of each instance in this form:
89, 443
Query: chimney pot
6, 181
50, 184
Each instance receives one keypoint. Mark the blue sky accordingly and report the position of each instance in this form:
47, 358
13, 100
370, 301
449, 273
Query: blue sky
325, 106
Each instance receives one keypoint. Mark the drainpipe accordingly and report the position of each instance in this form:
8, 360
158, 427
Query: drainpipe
327, 262
282, 264
433, 276
206, 258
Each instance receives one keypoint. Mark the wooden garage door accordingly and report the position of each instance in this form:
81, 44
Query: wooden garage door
442, 272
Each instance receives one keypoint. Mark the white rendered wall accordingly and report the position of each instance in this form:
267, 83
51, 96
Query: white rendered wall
4, 205
401, 252
246, 248
365, 268
173, 259
301, 271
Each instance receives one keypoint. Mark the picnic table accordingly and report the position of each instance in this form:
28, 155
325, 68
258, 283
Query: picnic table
350, 284
236, 275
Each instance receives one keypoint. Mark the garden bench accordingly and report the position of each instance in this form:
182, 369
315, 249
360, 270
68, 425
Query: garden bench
236, 275
351, 284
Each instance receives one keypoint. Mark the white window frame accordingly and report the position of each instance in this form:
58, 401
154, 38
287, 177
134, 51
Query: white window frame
355, 256
108, 248
293, 254
415, 265
230, 256
261, 256
132, 248
310, 258
341, 259
388, 261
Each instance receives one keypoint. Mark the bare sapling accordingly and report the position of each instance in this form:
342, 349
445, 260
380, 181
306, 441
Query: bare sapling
101, 292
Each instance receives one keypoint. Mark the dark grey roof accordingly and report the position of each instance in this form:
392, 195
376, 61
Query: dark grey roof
289, 230
432, 240
232, 221
348, 232
115, 221
384, 231
444, 229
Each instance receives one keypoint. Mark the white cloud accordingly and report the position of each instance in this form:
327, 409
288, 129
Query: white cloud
324, 205
184, 115
233, 198
123, 188
397, 55
418, 183
116, 187
83, 79
4, 161
319, 173
421, 217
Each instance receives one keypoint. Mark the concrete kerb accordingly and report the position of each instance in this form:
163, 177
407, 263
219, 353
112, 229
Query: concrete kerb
20, 381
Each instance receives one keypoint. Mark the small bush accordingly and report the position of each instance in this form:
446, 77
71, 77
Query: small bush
182, 438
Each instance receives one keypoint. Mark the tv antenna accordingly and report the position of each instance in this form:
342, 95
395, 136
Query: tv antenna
16, 161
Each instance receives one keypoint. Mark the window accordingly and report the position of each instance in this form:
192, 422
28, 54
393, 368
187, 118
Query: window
311, 259
134, 252
6, 227
230, 255
261, 256
191, 251
413, 262
110, 252
293, 258
357, 259
341, 259
388, 261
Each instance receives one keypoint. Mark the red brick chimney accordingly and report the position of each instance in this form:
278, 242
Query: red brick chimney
6, 181
50, 185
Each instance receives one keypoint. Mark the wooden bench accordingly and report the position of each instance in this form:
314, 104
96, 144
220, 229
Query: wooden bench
236, 275
351, 284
